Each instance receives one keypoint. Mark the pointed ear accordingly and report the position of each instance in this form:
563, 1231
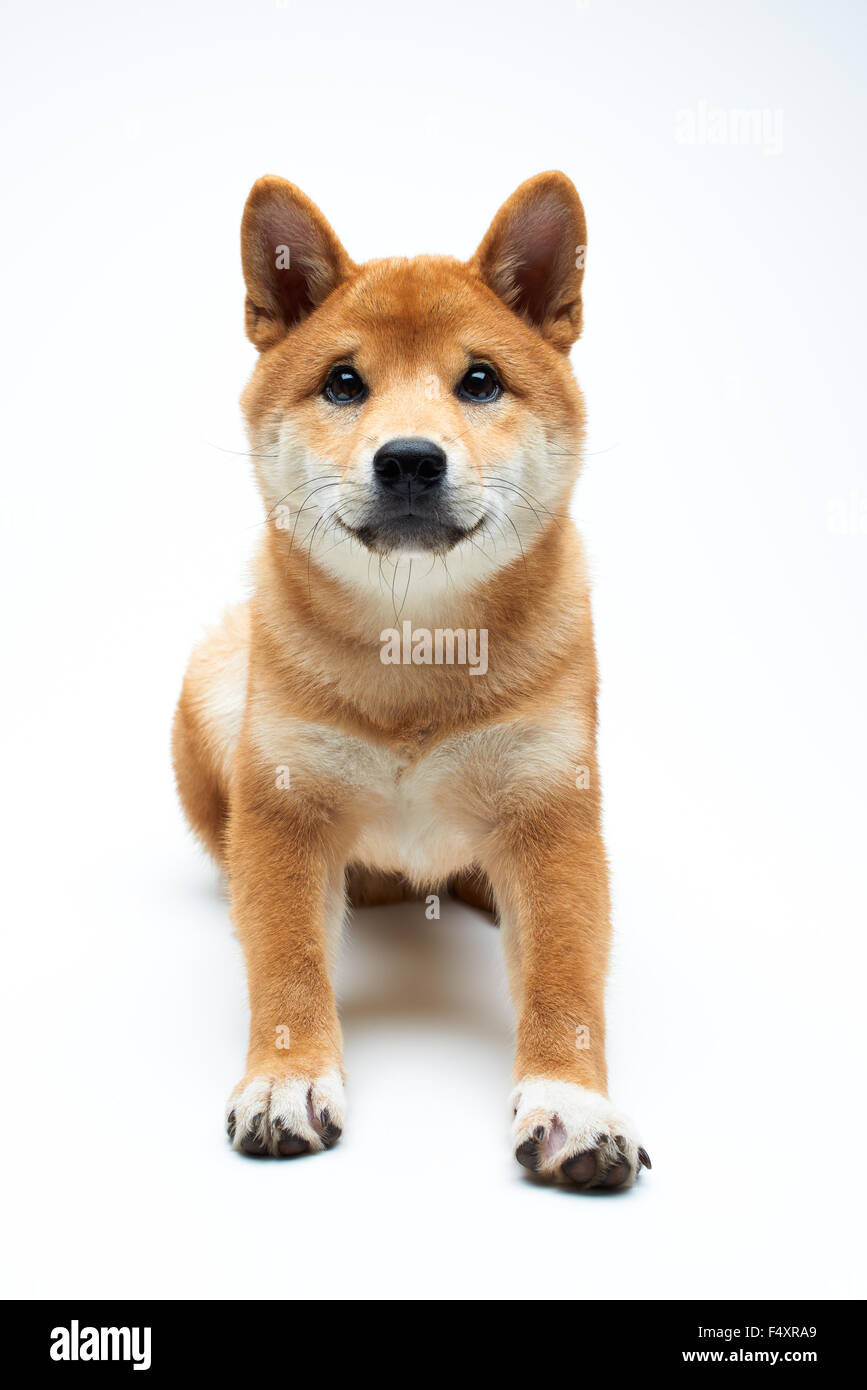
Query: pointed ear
292, 260
532, 256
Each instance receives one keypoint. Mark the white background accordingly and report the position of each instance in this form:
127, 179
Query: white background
723, 367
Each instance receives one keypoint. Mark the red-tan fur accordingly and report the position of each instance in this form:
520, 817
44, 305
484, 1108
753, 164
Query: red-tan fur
298, 670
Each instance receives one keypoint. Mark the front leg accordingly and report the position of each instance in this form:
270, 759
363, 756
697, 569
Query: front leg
286, 878
549, 872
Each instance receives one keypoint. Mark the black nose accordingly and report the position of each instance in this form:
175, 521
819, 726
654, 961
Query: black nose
404, 463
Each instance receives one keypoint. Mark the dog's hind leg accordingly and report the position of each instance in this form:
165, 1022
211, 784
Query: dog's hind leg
207, 724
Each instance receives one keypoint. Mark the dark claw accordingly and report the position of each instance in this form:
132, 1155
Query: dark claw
253, 1146
581, 1168
616, 1175
330, 1132
289, 1144
644, 1158
539, 1133
527, 1154
230, 1125
253, 1141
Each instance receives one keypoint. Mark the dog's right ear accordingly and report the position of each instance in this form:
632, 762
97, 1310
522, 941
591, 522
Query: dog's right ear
292, 260
532, 256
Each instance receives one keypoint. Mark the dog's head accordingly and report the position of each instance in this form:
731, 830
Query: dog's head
411, 406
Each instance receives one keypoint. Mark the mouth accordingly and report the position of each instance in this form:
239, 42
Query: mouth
410, 531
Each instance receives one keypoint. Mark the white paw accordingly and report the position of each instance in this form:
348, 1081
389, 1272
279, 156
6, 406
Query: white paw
286, 1115
574, 1135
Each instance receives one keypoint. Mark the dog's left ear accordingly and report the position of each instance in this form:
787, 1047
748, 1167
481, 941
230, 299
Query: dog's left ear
532, 256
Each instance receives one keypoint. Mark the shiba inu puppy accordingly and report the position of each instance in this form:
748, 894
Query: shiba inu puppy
409, 699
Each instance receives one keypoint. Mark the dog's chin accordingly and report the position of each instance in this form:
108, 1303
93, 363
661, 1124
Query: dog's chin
411, 535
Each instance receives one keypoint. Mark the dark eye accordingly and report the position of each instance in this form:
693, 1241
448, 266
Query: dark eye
344, 386
480, 384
